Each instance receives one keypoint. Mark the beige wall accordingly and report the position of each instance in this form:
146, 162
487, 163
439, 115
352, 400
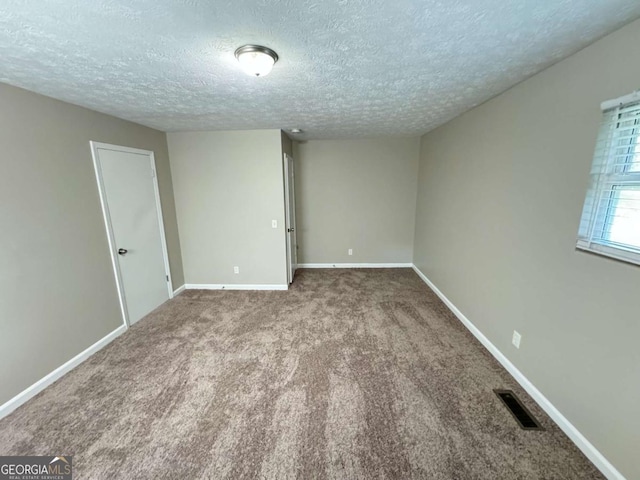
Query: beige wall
229, 187
58, 293
358, 194
500, 195
287, 144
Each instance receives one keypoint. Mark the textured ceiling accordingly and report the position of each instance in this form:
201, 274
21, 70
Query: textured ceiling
348, 68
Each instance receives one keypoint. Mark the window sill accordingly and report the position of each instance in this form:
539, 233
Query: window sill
604, 251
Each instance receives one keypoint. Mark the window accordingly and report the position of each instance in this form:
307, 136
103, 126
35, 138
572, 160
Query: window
610, 223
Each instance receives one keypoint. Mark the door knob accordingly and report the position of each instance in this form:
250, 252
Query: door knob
122, 251
290, 229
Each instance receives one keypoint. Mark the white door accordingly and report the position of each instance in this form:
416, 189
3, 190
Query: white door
290, 214
131, 206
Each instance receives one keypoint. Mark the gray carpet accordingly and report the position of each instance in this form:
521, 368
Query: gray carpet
351, 374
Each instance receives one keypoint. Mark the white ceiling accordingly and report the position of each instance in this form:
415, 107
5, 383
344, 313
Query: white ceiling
348, 68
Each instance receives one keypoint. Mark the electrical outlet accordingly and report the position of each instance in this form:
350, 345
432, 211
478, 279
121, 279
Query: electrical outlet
236, 269
274, 223
351, 251
516, 339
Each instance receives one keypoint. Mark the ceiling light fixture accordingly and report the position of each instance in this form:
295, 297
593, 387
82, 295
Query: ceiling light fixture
256, 60
295, 131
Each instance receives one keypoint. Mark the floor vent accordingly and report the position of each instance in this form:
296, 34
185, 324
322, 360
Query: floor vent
518, 410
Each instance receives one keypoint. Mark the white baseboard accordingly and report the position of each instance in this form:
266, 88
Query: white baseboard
178, 290
590, 451
44, 382
208, 286
355, 265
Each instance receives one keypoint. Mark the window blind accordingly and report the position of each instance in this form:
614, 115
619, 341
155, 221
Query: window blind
610, 223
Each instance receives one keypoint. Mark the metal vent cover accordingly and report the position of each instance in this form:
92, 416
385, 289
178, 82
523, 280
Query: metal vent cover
524, 418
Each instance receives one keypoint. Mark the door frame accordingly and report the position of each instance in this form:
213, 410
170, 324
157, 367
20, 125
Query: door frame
288, 190
107, 218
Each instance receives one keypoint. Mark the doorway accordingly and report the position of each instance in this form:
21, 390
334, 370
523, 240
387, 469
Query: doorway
290, 217
130, 199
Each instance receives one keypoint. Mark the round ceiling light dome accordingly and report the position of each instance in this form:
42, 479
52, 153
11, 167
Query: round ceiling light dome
256, 60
